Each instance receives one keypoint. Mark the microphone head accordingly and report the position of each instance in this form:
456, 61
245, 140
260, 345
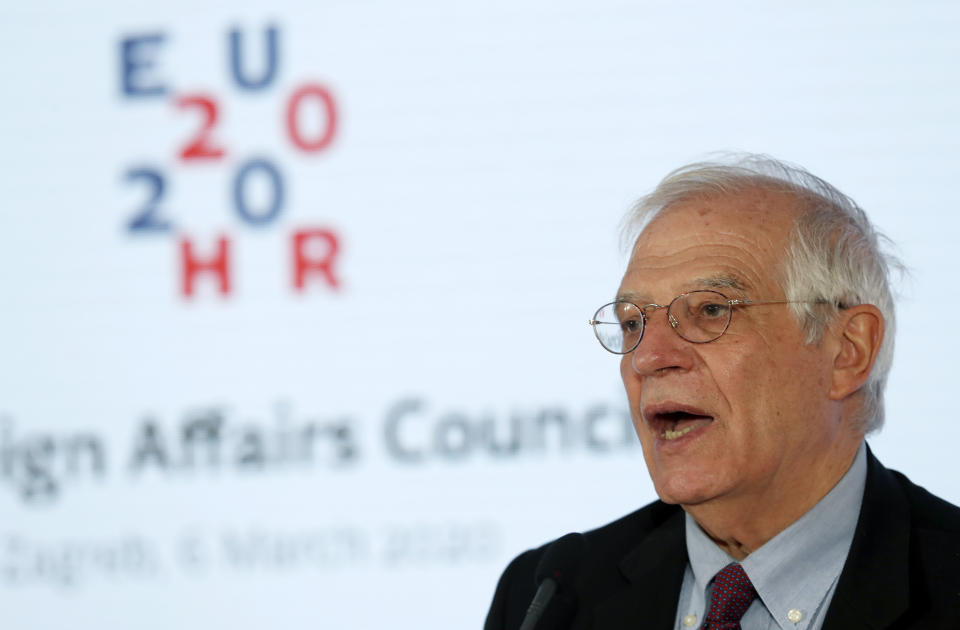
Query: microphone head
562, 559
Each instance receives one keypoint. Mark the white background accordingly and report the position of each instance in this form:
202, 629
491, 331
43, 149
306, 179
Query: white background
485, 154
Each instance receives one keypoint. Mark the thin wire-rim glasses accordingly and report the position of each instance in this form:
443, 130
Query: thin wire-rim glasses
698, 316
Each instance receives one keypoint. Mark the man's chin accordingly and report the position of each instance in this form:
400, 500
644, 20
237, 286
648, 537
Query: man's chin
685, 493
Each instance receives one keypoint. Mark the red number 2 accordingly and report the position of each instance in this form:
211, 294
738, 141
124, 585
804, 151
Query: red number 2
202, 146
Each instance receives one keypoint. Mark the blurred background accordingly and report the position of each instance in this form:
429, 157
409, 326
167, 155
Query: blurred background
295, 295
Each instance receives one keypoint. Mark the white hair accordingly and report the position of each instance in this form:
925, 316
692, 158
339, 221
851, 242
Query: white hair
835, 258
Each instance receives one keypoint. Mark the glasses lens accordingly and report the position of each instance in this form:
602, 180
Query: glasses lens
700, 316
618, 326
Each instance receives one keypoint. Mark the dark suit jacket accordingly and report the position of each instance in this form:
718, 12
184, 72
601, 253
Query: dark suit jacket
902, 572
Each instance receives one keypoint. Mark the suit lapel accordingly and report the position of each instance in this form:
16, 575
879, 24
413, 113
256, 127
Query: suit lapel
654, 575
874, 588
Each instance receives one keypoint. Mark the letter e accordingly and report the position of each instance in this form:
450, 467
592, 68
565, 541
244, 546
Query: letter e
137, 56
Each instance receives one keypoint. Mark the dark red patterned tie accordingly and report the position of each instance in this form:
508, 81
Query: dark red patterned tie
732, 595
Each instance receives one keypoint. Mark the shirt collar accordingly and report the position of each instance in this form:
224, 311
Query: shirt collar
797, 568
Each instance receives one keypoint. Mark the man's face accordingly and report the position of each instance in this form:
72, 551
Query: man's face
747, 415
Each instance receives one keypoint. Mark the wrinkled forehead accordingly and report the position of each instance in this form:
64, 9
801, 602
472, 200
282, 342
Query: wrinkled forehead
754, 213
737, 241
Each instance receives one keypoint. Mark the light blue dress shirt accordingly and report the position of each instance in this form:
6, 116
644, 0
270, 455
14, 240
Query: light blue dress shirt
795, 573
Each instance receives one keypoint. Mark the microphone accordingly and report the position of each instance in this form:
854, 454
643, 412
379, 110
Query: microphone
555, 572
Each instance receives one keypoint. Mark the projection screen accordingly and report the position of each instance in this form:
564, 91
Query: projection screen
296, 294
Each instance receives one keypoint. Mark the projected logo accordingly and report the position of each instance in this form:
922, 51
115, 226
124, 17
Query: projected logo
257, 196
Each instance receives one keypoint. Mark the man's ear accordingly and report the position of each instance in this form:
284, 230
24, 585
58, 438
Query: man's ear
858, 332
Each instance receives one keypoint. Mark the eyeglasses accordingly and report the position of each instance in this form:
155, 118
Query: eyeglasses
697, 316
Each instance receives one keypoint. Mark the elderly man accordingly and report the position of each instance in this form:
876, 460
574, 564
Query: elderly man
755, 325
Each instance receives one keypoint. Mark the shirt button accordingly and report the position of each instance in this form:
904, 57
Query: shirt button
795, 615
690, 620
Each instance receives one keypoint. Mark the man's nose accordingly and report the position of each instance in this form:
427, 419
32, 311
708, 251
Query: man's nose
661, 349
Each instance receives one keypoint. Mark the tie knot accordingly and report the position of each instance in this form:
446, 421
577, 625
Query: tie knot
732, 595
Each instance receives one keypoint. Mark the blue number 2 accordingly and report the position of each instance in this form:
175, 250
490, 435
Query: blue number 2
147, 218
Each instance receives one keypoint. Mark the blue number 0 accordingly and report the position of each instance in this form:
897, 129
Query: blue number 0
272, 207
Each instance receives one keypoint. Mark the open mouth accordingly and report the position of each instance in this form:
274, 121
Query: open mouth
674, 424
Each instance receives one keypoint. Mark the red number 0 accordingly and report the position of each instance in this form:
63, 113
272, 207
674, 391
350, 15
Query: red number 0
202, 147
323, 139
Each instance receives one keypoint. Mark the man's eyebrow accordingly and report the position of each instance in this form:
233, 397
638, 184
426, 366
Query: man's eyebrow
724, 281
632, 296
719, 281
